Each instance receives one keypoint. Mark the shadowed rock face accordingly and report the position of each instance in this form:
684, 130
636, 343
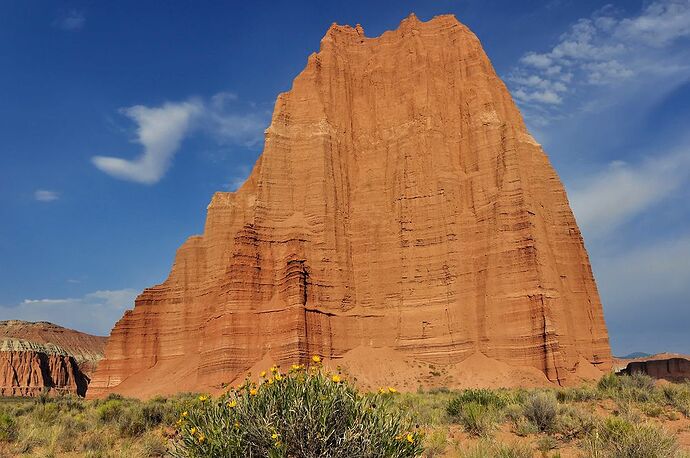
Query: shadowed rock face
672, 369
399, 204
42, 357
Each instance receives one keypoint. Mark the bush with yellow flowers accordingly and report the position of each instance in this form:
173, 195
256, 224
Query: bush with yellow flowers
305, 412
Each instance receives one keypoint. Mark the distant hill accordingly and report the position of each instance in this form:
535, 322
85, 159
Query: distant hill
41, 356
635, 355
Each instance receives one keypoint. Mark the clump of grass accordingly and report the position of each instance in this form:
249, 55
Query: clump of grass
486, 449
435, 443
8, 428
305, 413
637, 387
578, 394
477, 410
616, 437
542, 410
484, 397
478, 419
545, 444
573, 423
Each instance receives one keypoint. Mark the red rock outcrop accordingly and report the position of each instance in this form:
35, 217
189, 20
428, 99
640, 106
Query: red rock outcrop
400, 211
671, 368
42, 357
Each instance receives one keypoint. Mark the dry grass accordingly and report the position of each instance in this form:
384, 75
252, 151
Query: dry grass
618, 417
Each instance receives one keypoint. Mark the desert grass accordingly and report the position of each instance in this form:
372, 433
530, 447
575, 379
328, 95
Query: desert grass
617, 417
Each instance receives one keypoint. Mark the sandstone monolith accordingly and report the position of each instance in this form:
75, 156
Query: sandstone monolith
401, 222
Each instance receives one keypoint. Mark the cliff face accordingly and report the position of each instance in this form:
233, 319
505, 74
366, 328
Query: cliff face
400, 208
40, 357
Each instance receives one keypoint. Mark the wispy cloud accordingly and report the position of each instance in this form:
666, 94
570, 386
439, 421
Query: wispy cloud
71, 20
622, 191
602, 51
95, 312
239, 177
45, 195
161, 131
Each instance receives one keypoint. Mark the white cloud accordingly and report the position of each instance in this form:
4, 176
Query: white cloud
72, 20
605, 201
161, 131
661, 23
44, 195
604, 50
95, 312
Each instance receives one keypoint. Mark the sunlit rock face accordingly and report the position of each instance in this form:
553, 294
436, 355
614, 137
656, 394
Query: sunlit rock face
399, 208
41, 357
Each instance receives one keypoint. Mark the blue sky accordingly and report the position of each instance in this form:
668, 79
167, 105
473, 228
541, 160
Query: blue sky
118, 121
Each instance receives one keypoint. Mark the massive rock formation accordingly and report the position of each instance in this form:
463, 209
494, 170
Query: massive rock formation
42, 357
401, 213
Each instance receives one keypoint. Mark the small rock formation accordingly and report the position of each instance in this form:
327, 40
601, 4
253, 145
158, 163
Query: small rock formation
43, 357
400, 213
673, 369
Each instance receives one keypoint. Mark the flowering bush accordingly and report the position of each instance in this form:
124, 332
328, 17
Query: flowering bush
303, 413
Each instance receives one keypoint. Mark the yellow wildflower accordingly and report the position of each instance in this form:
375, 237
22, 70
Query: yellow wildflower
274, 369
296, 367
382, 390
185, 413
203, 398
410, 438
392, 390
270, 381
263, 374
253, 392
237, 424
316, 359
274, 436
232, 404
192, 431
202, 438
336, 378
278, 377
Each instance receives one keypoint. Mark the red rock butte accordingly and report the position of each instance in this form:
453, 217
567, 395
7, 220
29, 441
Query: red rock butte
41, 357
401, 222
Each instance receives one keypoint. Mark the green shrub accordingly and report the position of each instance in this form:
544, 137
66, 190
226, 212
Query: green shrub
542, 410
618, 438
573, 423
546, 443
305, 413
578, 394
478, 419
487, 450
652, 410
8, 428
484, 397
638, 387
46, 412
435, 443
131, 422
110, 410
523, 427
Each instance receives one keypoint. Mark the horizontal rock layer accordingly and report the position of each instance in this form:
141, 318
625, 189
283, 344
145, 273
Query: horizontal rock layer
43, 357
399, 203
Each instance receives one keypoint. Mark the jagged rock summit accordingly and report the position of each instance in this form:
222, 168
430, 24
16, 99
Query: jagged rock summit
401, 222
38, 357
